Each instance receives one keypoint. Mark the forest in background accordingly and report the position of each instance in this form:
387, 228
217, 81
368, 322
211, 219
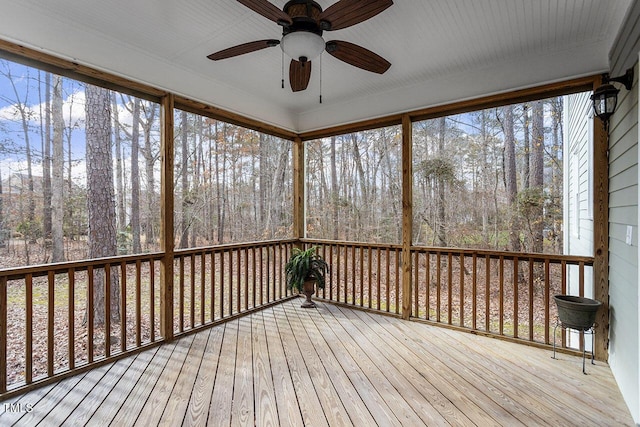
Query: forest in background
490, 179
80, 166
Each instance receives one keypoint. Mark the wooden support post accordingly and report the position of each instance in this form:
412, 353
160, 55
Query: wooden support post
407, 213
298, 190
601, 233
166, 218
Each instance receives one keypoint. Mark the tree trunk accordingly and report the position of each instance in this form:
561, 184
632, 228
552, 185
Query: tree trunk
57, 182
100, 197
441, 225
537, 175
511, 182
334, 188
184, 181
46, 159
121, 215
135, 178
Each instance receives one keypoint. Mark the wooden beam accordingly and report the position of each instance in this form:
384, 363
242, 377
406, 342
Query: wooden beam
298, 189
407, 213
71, 69
394, 119
216, 113
601, 232
167, 243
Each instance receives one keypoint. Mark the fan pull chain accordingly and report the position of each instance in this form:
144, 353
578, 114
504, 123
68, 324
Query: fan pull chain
283, 69
321, 78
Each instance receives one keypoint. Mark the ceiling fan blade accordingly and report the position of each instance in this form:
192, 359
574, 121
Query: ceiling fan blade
358, 56
346, 13
241, 49
268, 10
299, 75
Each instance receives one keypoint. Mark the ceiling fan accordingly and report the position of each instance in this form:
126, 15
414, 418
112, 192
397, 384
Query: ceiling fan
303, 22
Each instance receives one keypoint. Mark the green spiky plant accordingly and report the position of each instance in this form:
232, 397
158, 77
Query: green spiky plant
305, 265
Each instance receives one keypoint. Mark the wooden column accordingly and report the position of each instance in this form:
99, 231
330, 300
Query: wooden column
601, 233
298, 189
407, 213
166, 218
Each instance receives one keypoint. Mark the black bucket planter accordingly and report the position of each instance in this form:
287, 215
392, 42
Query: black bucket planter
577, 312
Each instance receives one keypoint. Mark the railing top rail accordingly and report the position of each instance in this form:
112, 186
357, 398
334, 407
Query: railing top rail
14, 273
553, 258
352, 243
524, 256
231, 246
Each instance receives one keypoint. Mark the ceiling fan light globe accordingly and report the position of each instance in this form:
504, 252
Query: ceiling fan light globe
302, 44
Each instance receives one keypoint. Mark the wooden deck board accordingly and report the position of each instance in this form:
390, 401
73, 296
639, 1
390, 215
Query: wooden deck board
115, 399
331, 366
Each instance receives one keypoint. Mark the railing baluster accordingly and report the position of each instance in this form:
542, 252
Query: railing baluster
253, 277
90, 313
222, 284
28, 374
123, 306
564, 291
487, 293
138, 302
379, 269
449, 288
398, 280
268, 250
192, 290
361, 276
107, 310
388, 281
474, 291
181, 296
213, 285
461, 289
245, 251
547, 287
501, 294
516, 304
369, 277
3, 334
230, 272
152, 299
531, 266
438, 284
238, 281
71, 338
427, 284
203, 278
261, 276
416, 269
50, 321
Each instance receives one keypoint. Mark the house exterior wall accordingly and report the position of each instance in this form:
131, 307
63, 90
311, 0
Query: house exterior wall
578, 194
624, 334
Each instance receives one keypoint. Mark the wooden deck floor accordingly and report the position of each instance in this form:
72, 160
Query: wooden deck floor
330, 366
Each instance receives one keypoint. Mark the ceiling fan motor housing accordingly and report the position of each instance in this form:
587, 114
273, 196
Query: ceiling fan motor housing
305, 15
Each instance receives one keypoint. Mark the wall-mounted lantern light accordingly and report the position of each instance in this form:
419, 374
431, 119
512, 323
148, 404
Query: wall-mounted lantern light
605, 97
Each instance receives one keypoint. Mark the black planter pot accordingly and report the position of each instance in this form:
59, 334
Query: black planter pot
577, 312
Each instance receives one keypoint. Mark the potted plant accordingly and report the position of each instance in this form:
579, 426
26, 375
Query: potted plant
304, 270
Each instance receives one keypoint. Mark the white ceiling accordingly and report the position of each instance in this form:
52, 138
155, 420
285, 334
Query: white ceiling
440, 50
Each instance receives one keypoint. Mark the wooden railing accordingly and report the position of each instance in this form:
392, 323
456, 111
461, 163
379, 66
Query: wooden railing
54, 330
218, 282
362, 274
496, 293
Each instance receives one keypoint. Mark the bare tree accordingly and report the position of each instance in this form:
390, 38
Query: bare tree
57, 181
101, 197
511, 181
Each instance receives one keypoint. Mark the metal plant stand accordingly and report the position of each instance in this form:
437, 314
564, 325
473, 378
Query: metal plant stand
590, 331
